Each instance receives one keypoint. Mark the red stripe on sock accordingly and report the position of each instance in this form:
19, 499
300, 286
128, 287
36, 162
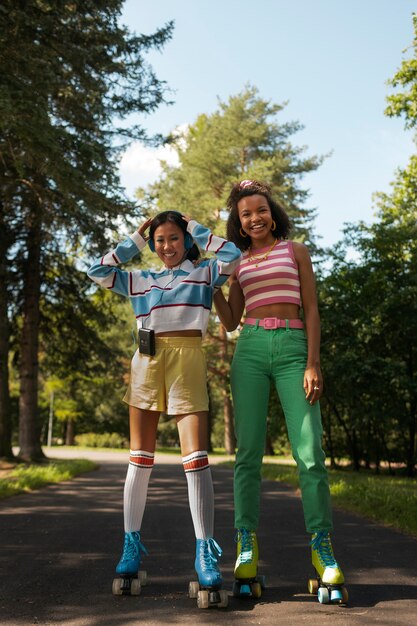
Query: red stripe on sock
196, 464
141, 460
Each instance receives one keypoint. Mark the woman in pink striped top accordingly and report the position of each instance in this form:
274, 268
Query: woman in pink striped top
274, 283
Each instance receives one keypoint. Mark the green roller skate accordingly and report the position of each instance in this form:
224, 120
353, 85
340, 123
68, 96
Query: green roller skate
247, 582
328, 584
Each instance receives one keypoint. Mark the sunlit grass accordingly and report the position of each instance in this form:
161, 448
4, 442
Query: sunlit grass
25, 478
389, 500
177, 450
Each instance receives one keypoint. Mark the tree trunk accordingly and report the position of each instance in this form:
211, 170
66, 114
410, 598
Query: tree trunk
355, 453
229, 429
328, 435
350, 436
269, 448
209, 419
411, 452
70, 433
29, 433
5, 419
412, 421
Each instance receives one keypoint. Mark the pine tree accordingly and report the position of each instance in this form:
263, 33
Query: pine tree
70, 75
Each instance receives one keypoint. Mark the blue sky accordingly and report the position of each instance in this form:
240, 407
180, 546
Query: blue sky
330, 59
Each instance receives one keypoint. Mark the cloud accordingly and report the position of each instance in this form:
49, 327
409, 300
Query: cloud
140, 165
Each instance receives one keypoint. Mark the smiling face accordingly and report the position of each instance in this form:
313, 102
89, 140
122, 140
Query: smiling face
256, 219
169, 244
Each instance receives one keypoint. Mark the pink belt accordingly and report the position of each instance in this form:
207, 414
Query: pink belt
271, 323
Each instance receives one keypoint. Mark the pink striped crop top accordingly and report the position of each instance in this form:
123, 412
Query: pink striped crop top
272, 280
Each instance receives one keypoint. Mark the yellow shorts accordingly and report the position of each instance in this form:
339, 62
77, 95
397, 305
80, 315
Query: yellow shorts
173, 381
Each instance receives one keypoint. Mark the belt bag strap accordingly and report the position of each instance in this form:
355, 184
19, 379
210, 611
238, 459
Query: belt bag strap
272, 323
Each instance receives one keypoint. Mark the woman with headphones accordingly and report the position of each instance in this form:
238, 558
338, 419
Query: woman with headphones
168, 372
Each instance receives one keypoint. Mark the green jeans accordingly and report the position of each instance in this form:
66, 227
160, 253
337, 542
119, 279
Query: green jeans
278, 356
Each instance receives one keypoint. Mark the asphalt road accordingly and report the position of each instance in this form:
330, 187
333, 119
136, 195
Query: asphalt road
59, 547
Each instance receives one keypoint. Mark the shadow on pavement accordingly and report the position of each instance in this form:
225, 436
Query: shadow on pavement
59, 547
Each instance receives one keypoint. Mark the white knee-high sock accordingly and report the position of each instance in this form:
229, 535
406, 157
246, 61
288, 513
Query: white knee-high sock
136, 488
200, 493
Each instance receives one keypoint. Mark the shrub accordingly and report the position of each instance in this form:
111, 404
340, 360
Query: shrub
101, 440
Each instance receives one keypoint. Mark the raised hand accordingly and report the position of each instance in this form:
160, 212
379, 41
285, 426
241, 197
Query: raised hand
144, 227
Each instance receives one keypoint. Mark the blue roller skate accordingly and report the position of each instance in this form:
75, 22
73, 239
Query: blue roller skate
130, 579
208, 588
328, 583
247, 582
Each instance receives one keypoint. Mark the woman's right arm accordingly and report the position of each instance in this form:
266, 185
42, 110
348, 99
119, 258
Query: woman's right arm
105, 272
230, 311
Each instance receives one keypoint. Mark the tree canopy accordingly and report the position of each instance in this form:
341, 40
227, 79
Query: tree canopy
74, 76
241, 139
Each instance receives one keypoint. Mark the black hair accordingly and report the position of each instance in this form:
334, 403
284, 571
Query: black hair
251, 188
175, 217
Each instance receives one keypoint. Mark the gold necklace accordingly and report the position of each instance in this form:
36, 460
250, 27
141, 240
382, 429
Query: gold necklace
261, 257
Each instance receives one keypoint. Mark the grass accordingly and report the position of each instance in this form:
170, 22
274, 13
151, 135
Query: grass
163, 449
25, 478
177, 450
389, 500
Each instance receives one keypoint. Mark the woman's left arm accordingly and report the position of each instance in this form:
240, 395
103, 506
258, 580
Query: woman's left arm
313, 380
227, 254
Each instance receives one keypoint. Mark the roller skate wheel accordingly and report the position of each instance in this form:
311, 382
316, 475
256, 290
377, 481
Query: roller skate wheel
336, 596
193, 589
262, 581
256, 590
143, 578
323, 595
135, 587
313, 586
245, 590
236, 589
203, 599
116, 589
345, 595
224, 599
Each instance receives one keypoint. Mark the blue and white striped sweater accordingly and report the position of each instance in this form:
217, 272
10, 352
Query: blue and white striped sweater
178, 299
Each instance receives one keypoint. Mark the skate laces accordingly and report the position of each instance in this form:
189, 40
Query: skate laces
210, 553
322, 545
132, 546
246, 545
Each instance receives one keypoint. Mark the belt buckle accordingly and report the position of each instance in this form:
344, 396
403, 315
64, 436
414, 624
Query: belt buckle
271, 323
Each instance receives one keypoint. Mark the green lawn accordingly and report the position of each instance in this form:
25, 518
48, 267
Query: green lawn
389, 500
24, 478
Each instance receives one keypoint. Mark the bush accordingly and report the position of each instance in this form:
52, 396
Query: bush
101, 440
167, 435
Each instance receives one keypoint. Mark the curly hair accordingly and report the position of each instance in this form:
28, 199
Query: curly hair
176, 218
250, 188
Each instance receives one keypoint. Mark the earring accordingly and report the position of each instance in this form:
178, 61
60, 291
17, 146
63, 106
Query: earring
242, 234
273, 225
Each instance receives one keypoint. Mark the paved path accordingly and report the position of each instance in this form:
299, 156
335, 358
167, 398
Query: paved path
59, 545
